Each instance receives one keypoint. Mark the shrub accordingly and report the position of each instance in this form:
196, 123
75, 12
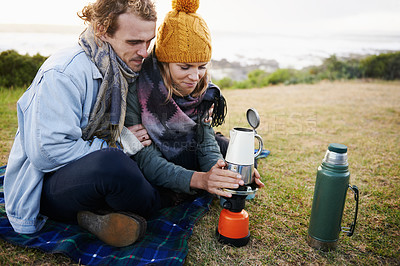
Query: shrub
383, 66
243, 84
258, 78
224, 83
18, 70
346, 68
280, 76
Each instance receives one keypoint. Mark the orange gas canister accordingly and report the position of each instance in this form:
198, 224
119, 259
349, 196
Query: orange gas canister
233, 228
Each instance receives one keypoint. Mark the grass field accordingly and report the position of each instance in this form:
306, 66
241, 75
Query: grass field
297, 124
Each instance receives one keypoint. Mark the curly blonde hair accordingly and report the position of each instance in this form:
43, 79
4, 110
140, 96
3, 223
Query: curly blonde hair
103, 14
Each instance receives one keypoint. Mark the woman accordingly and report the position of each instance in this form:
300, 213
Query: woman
174, 96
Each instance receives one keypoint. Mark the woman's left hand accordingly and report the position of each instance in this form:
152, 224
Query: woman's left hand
257, 178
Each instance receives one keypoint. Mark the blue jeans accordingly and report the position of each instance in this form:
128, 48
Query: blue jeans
103, 180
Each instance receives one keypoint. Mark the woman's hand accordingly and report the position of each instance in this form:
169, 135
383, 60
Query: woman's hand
141, 134
216, 179
257, 179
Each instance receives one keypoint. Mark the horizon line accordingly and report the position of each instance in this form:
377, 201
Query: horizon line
75, 28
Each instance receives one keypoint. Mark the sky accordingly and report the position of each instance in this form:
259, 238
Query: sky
283, 16
295, 33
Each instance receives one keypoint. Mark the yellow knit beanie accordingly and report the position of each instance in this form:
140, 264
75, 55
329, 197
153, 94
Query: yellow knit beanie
183, 37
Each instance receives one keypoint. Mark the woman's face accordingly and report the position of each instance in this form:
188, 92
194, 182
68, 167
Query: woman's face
185, 76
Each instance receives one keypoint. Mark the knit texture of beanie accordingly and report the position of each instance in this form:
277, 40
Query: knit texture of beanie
183, 37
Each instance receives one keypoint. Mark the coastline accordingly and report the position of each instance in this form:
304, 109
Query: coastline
41, 28
234, 54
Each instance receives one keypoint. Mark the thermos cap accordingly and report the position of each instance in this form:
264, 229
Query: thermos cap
336, 154
338, 148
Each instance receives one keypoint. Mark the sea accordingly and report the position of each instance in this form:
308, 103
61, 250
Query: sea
288, 50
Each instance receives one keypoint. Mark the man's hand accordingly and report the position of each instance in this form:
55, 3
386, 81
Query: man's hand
208, 118
141, 134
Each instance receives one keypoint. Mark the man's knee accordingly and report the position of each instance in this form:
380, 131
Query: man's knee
112, 161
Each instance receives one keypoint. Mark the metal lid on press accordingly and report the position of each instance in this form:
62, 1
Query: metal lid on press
253, 118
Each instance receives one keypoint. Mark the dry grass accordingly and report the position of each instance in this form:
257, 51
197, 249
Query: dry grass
297, 124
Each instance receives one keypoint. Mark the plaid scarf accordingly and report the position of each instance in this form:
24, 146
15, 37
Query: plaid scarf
172, 124
107, 117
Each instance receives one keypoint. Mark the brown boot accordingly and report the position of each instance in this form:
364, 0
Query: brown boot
117, 229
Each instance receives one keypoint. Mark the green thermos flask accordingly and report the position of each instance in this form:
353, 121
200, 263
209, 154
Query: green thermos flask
331, 186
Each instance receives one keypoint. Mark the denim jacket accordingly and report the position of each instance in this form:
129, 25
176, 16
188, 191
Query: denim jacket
51, 115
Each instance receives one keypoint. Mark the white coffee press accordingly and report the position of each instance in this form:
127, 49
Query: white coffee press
233, 223
240, 154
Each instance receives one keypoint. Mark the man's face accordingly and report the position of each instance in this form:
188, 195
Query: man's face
132, 39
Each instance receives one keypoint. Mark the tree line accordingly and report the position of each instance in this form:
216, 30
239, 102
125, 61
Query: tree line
385, 66
18, 70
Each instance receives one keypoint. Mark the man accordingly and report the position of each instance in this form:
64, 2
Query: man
69, 158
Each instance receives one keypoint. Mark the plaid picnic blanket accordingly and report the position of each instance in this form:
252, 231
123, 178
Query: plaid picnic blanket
165, 242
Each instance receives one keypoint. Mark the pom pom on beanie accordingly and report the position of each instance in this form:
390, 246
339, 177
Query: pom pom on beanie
186, 6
